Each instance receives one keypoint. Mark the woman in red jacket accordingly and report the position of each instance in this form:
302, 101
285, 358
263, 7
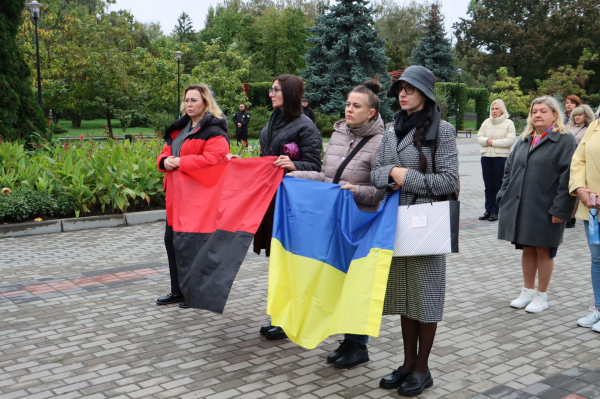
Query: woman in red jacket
197, 140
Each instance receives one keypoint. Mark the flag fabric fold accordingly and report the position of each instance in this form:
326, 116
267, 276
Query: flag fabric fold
329, 262
216, 212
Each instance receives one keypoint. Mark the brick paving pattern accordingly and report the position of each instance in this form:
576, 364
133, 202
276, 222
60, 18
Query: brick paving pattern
78, 320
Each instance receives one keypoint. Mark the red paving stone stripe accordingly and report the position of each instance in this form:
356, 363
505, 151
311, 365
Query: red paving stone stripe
573, 396
86, 281
65, 285
14, 293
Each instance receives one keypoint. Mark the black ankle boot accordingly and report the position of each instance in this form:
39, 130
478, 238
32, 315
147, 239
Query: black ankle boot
493, 217
276, 333
356, 354
485, 216
394, 379
265, 329
415, 384
339, 352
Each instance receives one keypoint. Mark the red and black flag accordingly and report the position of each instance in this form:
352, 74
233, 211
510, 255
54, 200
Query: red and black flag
216, 212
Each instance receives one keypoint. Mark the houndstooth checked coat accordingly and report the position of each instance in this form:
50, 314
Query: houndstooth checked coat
417, 285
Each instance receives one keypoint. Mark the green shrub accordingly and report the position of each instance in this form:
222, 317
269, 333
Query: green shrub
259, 117
160, 121
325, 123
258, 94
26, 203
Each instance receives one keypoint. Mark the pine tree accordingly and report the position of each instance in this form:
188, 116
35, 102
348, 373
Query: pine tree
20, 114
434, 50
184, 29
347, 51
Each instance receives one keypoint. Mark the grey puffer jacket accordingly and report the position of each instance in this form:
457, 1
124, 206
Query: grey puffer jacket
358, 170
301, 131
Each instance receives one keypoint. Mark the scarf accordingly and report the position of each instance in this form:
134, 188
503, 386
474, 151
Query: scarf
404, 123
538, 137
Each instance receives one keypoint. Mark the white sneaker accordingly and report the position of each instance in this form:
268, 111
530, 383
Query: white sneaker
591, 319
596, 327
539, 303
523, 299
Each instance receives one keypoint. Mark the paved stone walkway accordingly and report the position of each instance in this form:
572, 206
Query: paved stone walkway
78, 319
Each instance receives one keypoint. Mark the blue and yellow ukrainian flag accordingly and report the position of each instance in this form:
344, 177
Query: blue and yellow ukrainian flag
329, 262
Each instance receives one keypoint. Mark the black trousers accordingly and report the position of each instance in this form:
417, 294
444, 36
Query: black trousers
493, 172
241, 135
175, 290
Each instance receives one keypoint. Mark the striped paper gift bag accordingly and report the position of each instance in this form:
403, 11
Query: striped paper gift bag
427, 229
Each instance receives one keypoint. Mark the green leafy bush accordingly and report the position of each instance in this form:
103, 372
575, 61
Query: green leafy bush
325, 123
83, 175
26, 203
259, 117
258, 94
160, 121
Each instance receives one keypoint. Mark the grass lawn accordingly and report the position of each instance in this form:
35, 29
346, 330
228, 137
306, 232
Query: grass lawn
95, 128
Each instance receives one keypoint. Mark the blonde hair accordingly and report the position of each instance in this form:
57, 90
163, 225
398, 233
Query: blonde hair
211, 105
584, 110
502, 107
559, 123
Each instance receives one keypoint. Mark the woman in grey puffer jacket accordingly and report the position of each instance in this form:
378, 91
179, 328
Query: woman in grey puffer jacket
363, 124
358, 171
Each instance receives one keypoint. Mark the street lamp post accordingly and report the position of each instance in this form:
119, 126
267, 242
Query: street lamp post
178, 54
459, 72
34, 7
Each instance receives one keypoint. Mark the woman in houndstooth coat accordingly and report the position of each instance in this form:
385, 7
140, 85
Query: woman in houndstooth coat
416, 285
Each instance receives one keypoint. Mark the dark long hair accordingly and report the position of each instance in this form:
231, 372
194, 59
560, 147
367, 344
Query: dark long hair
292, 89
422, 128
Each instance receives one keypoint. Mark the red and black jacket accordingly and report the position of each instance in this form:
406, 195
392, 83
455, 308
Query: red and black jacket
206, 146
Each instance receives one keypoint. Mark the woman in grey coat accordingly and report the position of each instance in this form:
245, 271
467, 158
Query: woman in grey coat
416, 285
534, 198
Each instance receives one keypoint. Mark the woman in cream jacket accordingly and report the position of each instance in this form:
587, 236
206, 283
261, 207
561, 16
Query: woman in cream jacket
585, 180
496, 136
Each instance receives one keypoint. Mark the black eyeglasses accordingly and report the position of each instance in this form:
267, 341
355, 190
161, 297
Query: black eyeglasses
274, 91
408, 89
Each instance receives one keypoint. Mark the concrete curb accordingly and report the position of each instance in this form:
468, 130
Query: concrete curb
30, 228
85, 223
145, 217
93, 222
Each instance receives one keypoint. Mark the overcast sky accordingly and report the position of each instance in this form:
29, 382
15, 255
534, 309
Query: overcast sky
167, 12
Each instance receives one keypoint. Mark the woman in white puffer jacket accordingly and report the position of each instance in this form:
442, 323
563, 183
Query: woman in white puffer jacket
496, 136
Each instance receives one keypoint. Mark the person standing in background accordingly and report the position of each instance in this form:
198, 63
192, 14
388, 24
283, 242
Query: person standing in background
241, 120
581, 118
496, 136
571, 103
307, 110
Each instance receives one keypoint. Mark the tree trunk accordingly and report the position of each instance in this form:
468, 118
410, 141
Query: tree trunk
75, 119
110, 132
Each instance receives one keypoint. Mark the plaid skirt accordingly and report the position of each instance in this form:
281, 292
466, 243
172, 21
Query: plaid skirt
416, 288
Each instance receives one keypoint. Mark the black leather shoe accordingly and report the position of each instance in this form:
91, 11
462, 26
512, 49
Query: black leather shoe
276, 333
170, 298
485, 216
415, 384
355, 355
264, 329
493, 217
570, 223
184, 305
394, 379
339, 352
